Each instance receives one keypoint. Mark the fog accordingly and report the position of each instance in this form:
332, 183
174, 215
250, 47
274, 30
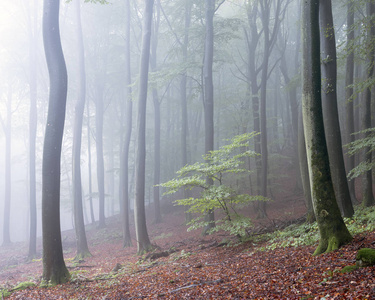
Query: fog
104, 42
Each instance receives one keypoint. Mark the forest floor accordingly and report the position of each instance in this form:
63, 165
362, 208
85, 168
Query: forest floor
200, 268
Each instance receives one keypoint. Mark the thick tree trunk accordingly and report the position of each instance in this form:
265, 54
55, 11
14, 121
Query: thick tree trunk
332, 229
127, 242
208, 100
79, 224
330, 111
143, 241
54, 269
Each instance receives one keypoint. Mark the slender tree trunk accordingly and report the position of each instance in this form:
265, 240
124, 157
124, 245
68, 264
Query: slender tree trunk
79, 224
208, 100
349, 80
330, 111
89, 163
367, 190
99, 152
332, 229
143, 241
54, 269
7, 126
127, 242
32, 130
155, 98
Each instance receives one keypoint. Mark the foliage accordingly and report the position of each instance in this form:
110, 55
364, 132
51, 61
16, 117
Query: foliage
307, 234
358, 145
221, 166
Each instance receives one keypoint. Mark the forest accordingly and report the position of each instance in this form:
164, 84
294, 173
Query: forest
187, 149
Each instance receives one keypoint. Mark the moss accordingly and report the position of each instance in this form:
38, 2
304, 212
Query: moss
365, 257
348, 269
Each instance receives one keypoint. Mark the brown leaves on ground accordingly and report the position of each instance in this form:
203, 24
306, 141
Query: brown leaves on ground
197, 268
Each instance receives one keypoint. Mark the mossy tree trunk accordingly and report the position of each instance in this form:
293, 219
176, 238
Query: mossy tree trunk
330, 110
332, 229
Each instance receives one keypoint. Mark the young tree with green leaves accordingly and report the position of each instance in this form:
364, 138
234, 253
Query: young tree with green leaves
222, 167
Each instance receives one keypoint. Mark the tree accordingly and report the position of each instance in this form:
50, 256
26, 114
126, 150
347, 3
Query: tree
156, 101
222, 166
332, 229
7, 127
127, 242
349, 80
54, 268
32, 129
367, 190
208, 97
81, 240
330, 110
143, 241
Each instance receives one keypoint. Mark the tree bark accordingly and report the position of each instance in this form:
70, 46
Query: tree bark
349, 80
32, 130
7, 126
99, 115
143, 241
367, 190
54, 269
208, 99
330, 111
332, 229
155, 98
127, 242
79, 224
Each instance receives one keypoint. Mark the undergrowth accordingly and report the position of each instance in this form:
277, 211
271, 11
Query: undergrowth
308, 234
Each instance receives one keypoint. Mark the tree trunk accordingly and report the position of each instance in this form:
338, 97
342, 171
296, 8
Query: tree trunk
349, 80
33, 119
7, 126
208, 100
143, 241
155, 98
89, 163
79, 224
330, 111
127, 242
99, 115
54, 269
304, 171
367, 191
332, 229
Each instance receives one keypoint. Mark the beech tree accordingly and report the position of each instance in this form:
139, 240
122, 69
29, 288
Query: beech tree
127, 242
330, 110
332, 229
81, 240
143, 241
54, 268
